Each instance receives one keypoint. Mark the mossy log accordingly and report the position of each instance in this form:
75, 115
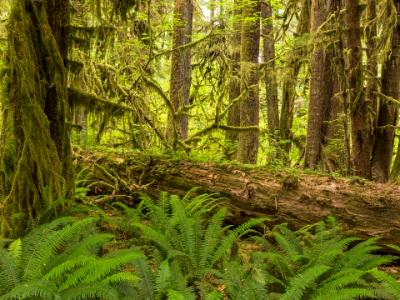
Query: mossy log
362, 208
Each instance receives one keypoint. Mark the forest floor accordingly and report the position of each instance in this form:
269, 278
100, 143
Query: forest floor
299, 198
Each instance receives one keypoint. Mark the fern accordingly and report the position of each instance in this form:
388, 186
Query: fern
57, 261
191, 236
32, 289
300, 283
318, 263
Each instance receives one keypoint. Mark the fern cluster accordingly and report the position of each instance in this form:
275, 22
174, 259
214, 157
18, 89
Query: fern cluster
191, 241
319, 263
175, 249
61, 260
192, 253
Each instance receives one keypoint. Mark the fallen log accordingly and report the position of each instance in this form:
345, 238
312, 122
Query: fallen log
362, 208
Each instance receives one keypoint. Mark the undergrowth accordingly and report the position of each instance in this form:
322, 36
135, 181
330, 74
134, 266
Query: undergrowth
181, 248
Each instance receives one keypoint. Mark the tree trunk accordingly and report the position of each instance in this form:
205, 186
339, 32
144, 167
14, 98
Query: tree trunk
388, 111
271, 85
290, 81
362, 127
36, 166
372, 60
320, 87
56, 105
178, 123
249, 106
234, 81
363, 208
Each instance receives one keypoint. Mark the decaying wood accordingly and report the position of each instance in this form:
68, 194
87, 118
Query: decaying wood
362, 208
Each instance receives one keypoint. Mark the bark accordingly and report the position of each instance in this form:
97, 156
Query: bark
321, 82
324, 107
180, 70
363, 208
56, 106
388, 111
36, 166
234, 81
372, 62
271, 84
362, 127
290, 81
249, 106
58, 16
334, 155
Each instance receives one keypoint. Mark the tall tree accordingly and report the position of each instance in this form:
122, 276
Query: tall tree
249, 106
319, 95
361, 118
180, 70
292, 69
371, 75
271, 84
234, 78
388, 110
35, 150
322, 84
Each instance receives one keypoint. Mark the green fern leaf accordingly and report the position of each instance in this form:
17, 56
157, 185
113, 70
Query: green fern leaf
303, 281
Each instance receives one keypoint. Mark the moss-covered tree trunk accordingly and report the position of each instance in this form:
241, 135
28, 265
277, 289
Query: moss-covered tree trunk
361, 116
36, 157
321, 82
388, 111
181, 70
249, 106
293, 66
323, 105
271, 83
234, 80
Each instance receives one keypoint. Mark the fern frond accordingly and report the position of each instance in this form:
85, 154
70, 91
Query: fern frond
153, 235
34, 289
9, 271
303, 281
348, 294
64, 268
95, 291
100, 268
342, 280
38, 252
233, 236
146, 285
287, 240
211, 239
120, 277
388, 282
356, 256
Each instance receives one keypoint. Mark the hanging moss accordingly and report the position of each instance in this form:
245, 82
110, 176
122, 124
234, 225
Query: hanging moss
93, 103
35, 161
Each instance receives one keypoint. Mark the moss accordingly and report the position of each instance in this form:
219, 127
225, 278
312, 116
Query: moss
290, 183
36, 164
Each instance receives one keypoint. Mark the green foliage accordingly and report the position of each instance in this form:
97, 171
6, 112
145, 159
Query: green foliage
60, 260
81, 189
190, 254
190, 235
319, 263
